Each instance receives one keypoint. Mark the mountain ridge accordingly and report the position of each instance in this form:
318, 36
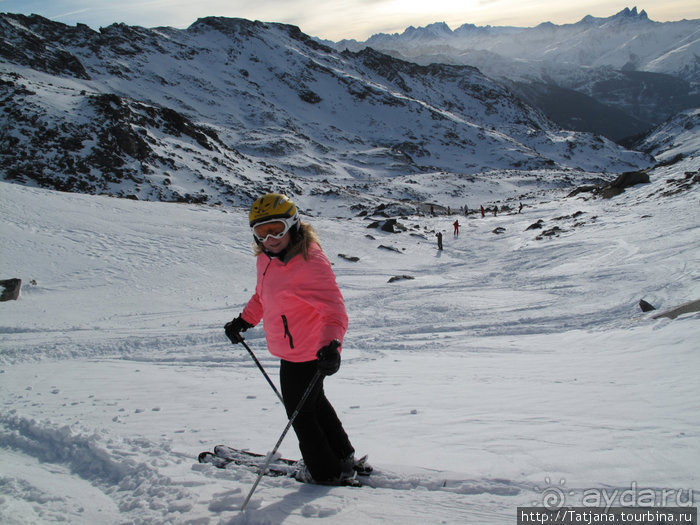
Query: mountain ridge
228, 108
647, 70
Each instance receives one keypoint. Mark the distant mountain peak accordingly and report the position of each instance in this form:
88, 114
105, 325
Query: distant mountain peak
646, 69
434, 30
223, 24
439, 26
632, 13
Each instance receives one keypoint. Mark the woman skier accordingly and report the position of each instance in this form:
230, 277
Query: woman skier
304, 318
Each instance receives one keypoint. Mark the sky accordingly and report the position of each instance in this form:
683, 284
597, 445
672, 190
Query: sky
339, 19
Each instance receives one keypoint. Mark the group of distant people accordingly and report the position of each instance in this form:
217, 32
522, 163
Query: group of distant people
464, 210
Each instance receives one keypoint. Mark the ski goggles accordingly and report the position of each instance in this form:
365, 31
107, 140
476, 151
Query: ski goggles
273, 229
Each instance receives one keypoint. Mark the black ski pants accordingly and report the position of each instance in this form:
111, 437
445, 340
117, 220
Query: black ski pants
322, 440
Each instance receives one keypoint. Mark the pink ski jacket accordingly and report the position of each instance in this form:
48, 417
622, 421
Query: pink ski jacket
299, 303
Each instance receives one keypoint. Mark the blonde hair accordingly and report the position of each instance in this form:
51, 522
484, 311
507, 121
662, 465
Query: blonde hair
299, 243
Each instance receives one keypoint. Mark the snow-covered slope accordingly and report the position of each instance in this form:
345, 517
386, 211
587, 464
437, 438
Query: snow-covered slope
677, 138
229, 108
517, 365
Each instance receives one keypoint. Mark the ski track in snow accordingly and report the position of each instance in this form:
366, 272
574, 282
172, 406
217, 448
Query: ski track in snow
508, 364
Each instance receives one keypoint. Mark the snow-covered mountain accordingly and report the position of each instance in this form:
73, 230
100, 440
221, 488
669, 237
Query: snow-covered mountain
229, 108
646, 69
675, 139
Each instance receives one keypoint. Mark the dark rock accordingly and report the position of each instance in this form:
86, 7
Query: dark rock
583, 189
685, 308
389, 225
645, 306
552, 232
309, 96
624, 180
130, 142
629, 179
400, 277
11, 288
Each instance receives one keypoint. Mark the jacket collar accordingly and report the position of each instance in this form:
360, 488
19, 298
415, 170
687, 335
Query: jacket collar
284, 256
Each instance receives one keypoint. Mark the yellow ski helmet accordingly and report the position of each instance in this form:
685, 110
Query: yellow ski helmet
273, 206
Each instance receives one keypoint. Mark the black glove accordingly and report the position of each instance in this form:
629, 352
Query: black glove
235, 327
329, 358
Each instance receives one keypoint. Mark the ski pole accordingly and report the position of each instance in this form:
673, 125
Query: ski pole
262, 370
271, 455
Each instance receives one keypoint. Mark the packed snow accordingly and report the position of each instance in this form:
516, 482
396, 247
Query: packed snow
504, 370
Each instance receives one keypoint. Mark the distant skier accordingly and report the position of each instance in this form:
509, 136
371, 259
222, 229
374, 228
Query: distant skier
299, 301
482, 211
456, 230
439, 240
520, 208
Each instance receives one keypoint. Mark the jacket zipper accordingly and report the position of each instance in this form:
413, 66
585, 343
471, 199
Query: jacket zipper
287, 333
269, 262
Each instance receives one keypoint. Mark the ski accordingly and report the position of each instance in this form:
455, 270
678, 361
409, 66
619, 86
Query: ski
279, 467
247, 457
211, 458
397, 480
224, 456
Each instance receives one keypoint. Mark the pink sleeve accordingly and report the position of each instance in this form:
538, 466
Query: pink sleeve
253, 311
